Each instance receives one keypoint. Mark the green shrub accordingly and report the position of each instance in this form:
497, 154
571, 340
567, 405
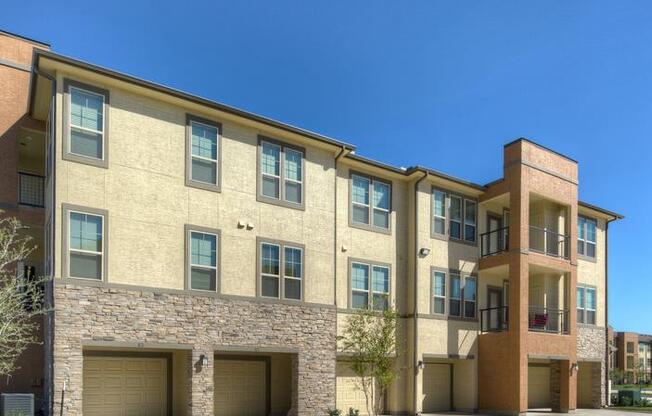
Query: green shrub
334, 412
625, 401
353, 412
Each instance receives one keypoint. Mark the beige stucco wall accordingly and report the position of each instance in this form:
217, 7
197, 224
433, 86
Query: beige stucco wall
148, 203
592, 273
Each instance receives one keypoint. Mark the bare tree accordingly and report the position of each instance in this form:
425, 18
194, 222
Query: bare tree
21, 300
370, 340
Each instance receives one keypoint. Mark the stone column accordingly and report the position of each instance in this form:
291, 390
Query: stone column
68, 376
200, 382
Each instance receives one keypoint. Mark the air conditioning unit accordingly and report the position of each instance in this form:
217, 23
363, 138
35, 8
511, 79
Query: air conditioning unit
17, 404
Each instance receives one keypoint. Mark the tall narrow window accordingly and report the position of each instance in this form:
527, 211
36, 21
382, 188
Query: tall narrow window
281, 174
86, 136
586, 236
455, 296
281, 271
581, 304
370, 202
85, 245
204, 139
203, 261
359, 286
469, 220
470, 296
439, 213
380, 282
439, 292
455, 223
590, 306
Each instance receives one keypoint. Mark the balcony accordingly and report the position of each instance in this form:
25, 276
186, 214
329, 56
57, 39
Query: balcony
541, 319
494, 242
494, 319
549, 242
31, 189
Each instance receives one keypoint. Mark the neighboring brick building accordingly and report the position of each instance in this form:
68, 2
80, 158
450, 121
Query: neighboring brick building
205, 259
630, 351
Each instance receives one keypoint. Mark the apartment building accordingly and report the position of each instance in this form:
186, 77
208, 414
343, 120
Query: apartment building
205, 259
632, 355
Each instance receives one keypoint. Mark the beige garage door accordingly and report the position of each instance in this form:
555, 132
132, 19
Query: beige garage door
436, 388
125, 386
538, 389
584, 381
240, 388
348, 393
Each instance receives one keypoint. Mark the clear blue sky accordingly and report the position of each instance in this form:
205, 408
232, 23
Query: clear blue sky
438, 83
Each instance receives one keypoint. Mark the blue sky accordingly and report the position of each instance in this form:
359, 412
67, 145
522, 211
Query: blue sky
437, 83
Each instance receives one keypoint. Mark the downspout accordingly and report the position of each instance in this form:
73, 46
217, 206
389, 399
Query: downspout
415, 289
341, 153
50, 292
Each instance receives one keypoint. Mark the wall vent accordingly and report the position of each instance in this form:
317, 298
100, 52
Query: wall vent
17, 404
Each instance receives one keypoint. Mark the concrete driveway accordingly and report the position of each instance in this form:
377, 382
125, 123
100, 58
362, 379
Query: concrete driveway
578, 412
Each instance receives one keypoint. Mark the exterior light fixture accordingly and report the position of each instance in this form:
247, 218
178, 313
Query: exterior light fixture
203, 359
574, 368
424, 251
421, 364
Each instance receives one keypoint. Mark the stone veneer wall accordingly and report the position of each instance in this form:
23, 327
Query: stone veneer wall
204, 323
591, 345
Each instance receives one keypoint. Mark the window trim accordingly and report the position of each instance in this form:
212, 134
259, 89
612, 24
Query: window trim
65, 237
583, 255
370, 207
67, 154
280, 201
371, 264
188, 229
190, 118
585, 309
447, 217
259, 262
449, 273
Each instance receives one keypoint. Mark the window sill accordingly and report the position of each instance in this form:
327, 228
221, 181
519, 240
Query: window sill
203, 185
587, 258
280, 203
98, 163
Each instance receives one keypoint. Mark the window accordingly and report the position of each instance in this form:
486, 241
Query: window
86, 123
462, 216
281, 174
630, 361
203, 259
455, 296
281, 282
586, 305
586, 236
203, 148
630, 348
470, 293
370, 202
365, 276
462, 295
439, 293
85, 245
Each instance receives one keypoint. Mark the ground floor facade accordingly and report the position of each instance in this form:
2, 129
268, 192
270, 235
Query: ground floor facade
130, 351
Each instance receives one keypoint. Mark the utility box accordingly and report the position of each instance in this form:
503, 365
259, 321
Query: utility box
17, 404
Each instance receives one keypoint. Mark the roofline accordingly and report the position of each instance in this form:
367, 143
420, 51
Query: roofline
189, 97
376, 163
525, 139
615, 215
447, 177
16, 35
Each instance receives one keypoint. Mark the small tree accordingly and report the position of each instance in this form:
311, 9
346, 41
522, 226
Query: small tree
640, 375
370, 339
617, 376
21, 300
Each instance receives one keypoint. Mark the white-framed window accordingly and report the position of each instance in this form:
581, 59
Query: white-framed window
370, 286
455, 222
586, 236
204, 149
370, 202
586, 305
438, 212
85, 245
281, 271
281, 173
86, 122
462, 296
470, 214
439, 292
203, 260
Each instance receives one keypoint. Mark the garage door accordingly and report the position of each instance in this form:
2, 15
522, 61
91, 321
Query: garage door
584, 381
348, 393
538, 389
436, 388
125, 386
240, 388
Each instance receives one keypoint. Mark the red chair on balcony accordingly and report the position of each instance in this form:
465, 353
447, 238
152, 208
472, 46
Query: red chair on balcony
539, 321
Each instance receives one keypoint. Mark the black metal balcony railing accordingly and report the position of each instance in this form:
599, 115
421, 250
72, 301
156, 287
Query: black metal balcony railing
541, 319
494, 319
31, 189
549, 242
494, 242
